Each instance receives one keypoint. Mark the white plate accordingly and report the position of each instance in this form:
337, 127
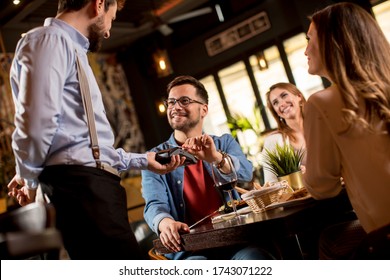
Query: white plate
263, 191
288, 203
228, 216
244, 210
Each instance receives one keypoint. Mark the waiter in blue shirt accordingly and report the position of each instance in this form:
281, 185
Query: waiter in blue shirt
52, 144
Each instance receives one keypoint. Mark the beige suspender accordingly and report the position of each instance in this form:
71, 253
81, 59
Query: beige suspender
87, 103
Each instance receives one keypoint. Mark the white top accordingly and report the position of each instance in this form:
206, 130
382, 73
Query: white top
270, 142
360, 157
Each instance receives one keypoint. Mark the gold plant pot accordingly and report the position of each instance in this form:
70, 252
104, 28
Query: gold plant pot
294, 180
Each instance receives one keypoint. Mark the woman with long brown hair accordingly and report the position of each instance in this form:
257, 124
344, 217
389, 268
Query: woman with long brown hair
347, 125
286, 103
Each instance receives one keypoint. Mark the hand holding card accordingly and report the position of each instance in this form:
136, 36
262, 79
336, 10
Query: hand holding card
164, 156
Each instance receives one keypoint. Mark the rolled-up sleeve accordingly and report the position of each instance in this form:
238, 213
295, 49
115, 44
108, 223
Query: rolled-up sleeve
134, 161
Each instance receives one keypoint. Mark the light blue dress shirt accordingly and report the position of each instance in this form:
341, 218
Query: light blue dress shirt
50, 120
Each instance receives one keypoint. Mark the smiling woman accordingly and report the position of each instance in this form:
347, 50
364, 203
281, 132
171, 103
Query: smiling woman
286, 103
347, 125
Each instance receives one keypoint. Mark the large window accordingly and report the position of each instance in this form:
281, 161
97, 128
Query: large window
295, 51
215, 121
240, 100
382, 15
273, 73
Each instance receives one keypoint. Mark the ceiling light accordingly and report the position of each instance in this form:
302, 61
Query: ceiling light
262, 61
219, 13
165, 29
16, 2
161, 108
162, 64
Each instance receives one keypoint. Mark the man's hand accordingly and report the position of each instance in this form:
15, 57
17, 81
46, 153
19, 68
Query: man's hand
170, 233
159, 168
203, 148
17, 189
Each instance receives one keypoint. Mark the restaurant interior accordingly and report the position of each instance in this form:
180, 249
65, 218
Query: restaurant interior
237, 49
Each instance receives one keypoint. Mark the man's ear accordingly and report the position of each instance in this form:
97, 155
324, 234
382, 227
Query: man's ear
204, 110
99, 6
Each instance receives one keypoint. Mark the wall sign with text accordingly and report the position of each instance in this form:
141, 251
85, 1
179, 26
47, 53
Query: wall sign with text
238, 33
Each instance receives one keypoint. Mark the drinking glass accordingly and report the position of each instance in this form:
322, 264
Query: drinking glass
225, 181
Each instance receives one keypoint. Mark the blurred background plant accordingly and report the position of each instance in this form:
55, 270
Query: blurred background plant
7, 161
249, 131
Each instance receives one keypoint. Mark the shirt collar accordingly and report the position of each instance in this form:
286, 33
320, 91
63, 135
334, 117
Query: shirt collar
73, 33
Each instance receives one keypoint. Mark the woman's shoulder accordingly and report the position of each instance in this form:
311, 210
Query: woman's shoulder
326, 105
276, 134
329, 96
272, 138
326, 102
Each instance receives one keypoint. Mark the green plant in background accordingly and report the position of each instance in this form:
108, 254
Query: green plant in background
238, 122
7, 171
283, 160
7, 160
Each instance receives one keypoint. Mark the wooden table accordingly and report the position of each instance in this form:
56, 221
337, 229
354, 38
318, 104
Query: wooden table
282, 225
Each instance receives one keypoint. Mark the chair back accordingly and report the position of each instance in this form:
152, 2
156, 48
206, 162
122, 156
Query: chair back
376, 246
29, 231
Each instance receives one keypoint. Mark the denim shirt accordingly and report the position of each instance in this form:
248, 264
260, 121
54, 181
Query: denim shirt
163, 194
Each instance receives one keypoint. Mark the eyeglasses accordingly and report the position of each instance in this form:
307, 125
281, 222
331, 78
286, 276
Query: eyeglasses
183, 102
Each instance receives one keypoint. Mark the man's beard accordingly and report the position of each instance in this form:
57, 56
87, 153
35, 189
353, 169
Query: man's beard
96, 35
185, 126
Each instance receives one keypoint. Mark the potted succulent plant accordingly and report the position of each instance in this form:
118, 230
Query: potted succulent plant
285, 162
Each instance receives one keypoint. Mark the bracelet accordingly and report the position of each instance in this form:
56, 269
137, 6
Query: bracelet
222, 162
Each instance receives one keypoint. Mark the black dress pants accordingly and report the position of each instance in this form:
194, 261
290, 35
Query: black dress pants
91, 213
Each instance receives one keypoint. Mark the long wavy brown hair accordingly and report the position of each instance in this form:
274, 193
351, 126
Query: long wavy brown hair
283, 128
356, 55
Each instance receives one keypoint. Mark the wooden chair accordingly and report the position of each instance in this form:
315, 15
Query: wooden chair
29, 231
154, 256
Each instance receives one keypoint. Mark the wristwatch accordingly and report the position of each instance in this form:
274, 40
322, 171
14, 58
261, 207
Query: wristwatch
222, 162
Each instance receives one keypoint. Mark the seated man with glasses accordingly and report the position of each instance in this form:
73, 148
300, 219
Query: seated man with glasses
179, 199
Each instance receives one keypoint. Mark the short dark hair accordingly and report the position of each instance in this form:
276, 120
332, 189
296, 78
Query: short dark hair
75, 5
188, 80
